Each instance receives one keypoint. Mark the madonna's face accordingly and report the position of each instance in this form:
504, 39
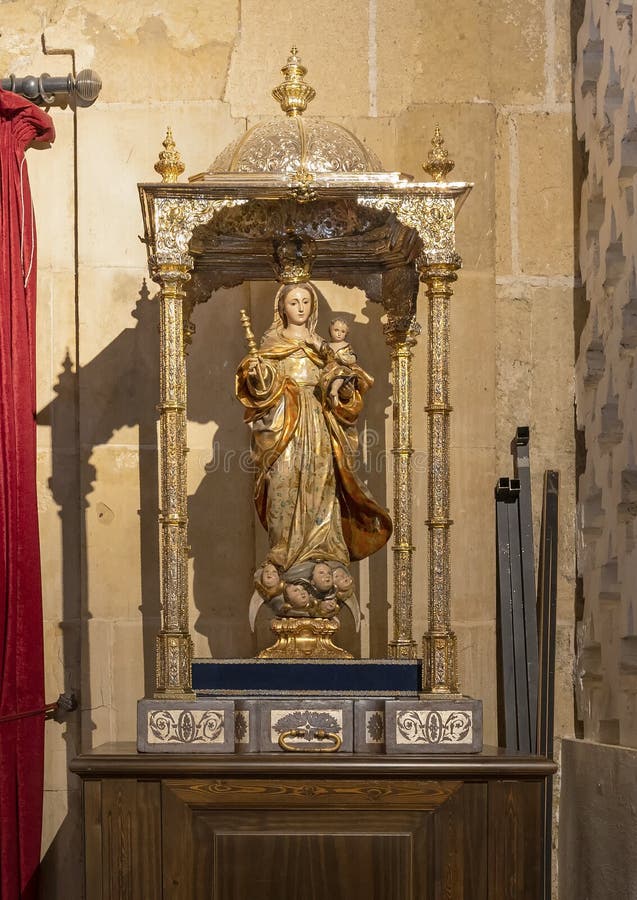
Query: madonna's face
297, 306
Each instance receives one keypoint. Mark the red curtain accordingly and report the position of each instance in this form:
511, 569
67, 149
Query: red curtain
21, 656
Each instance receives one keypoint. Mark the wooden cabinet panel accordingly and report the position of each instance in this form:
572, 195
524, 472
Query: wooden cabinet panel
281, 829
297, 856
224, 838
515, 858
122, 828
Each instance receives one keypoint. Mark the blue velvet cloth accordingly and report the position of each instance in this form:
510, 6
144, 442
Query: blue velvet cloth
358, 677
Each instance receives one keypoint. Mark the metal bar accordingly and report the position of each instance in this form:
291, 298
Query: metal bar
522, 469
547, 612
517, 608
65, 702
43, 90
547, 583
506, 679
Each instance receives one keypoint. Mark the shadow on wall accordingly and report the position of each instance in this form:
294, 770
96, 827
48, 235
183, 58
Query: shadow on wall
120, 388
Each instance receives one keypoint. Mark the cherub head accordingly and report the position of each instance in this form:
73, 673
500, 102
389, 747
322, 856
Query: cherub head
270, 576
342, 579
339, 330
322, 577
297, 596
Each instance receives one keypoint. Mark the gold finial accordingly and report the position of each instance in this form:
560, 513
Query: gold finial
293, 94
169, 164
438, 163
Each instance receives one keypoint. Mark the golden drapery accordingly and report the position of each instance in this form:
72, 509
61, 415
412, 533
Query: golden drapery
307, 493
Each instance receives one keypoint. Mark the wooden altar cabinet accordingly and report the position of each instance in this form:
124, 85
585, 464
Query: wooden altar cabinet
185, 827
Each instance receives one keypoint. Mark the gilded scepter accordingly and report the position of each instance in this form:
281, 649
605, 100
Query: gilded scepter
252, 347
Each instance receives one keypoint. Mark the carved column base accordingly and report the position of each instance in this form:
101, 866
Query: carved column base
439, 674
304, 639
173, 660
402, 650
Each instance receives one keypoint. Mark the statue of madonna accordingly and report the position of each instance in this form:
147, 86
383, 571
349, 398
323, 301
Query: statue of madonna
302, 401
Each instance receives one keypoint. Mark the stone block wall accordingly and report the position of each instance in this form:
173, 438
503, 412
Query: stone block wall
599, 794
496, 76
605, 95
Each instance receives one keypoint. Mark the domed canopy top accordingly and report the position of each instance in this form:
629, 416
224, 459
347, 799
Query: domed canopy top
283, 146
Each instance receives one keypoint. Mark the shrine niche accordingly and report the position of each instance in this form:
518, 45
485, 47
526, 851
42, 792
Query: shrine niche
302, 199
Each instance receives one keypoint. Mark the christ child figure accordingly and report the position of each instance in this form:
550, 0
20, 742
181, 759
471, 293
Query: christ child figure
343, 351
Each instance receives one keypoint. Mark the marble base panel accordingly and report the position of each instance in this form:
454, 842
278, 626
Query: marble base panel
246, 725
370, 725
185, 726
308, 725
452, 725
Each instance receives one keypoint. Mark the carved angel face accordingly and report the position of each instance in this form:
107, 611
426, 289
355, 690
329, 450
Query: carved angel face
342, 579
269, 576
322, 577
297, 596
297, 306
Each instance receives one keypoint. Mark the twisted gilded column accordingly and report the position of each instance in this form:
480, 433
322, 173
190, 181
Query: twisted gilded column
169, 221
171, 269
439, 642
401, 333
173, 643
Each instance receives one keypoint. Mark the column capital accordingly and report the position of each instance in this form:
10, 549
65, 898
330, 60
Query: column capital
438, 265
170, 268
401, 330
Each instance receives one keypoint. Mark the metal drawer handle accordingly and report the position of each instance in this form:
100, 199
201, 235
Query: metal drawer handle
320, 734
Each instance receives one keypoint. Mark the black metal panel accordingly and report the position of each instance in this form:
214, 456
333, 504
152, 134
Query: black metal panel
522, 468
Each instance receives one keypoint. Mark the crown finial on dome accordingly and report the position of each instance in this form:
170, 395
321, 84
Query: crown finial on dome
438, 162
293, 94
169, 165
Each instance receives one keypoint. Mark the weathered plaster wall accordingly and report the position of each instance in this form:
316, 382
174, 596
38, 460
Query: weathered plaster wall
597, 832
496, 76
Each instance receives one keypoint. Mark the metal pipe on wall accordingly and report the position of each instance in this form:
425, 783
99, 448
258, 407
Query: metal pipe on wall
84, 87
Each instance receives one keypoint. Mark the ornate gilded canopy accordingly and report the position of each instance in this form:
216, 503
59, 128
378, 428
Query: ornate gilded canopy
298, 198
305, 187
